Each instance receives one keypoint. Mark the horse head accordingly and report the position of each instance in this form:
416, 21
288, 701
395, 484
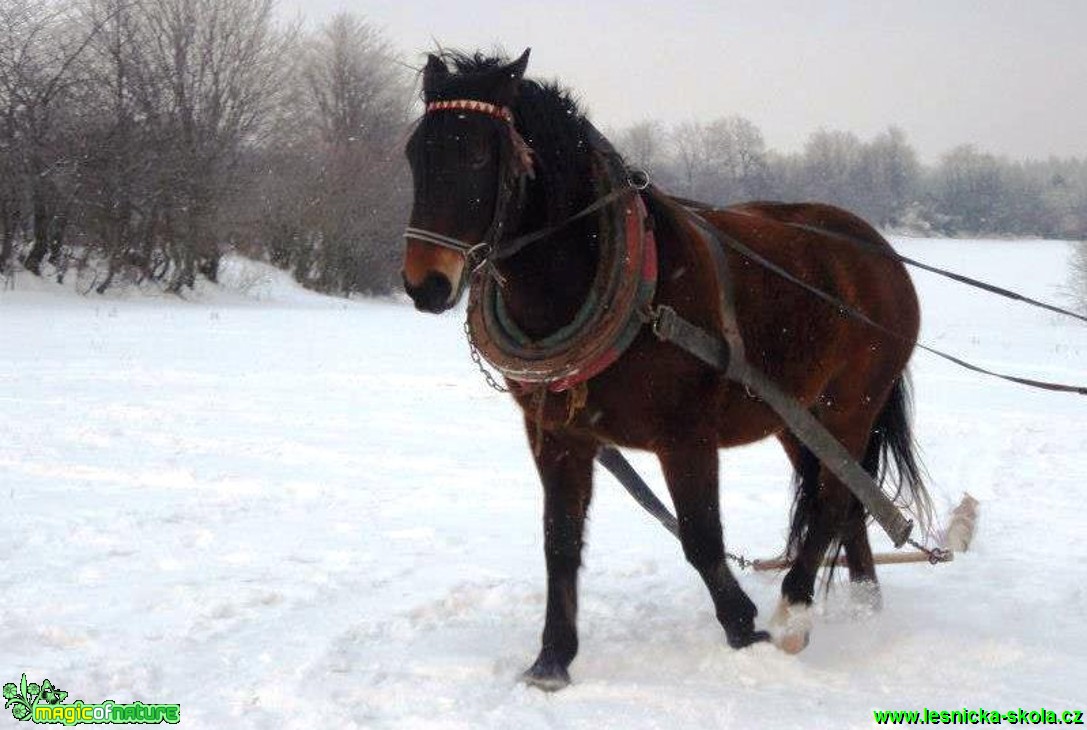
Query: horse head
467, 163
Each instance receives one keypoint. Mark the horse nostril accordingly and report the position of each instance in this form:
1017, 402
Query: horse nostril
432, 295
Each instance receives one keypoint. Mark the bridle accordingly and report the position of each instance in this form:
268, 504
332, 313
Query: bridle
516, 168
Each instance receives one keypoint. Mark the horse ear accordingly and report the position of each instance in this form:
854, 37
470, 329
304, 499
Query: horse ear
516, 69
510, 78
434, 71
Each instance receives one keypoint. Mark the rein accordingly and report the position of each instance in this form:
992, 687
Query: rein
700, 207
516, 245
862, 317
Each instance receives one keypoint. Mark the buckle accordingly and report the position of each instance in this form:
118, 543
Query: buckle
662, 321
638, 178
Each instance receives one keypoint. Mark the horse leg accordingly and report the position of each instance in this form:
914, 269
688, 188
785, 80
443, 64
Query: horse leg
864, 586
565, 466
858, 552
691, 473
824, 510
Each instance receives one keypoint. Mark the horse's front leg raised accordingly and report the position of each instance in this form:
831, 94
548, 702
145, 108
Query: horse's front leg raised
566, 470
691, 472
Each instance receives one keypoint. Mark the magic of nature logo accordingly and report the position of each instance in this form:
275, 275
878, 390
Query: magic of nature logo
44, 704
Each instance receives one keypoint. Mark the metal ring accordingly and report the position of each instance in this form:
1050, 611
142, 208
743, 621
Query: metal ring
638, 178
478, 255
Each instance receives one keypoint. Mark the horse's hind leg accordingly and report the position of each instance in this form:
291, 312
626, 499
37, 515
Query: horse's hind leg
858, 552
566, 467
825, 511
691, 472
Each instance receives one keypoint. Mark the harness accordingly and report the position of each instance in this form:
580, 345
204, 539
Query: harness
608, 320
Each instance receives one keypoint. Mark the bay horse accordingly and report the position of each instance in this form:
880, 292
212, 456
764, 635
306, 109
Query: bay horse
506, 174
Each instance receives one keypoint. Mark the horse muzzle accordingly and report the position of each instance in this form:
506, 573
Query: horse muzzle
434, 294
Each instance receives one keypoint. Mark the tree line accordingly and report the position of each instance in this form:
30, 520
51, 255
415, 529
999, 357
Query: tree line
967, 193
140, 140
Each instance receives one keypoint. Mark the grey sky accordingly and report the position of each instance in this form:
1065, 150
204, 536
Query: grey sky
1007, 75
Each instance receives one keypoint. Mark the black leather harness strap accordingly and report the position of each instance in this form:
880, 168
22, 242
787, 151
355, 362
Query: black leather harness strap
725, 352
830, 453
614, 461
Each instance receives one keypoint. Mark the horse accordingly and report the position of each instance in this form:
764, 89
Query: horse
511, 184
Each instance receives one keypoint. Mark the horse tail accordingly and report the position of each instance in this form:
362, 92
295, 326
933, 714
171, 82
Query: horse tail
890, 457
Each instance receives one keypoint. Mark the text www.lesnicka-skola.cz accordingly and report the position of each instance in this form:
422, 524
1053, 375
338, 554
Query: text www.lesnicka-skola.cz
978, 716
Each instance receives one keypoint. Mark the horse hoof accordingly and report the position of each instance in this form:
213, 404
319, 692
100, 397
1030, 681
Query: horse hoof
790, 627
546, 676
751, 637
792, 643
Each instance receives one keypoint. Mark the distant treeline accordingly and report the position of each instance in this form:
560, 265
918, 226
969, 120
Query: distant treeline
142, 139
968, 193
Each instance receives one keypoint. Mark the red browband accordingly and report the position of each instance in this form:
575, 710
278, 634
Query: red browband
470, 105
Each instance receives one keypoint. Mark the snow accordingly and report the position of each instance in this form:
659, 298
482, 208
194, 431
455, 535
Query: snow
287, 511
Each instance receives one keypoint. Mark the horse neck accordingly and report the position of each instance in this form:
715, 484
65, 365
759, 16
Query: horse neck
547, 283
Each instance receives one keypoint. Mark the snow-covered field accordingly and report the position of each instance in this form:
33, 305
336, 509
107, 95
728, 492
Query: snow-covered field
286, 511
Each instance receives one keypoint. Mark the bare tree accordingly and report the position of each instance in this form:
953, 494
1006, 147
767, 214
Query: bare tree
215, 68
724, 161
736, 155
1064, 196
688, 146
832, 161
887, 179
120, 202
968, 190
643, 145
360, 98
40, 43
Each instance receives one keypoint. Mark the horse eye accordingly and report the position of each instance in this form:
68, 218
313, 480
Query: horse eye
478, 155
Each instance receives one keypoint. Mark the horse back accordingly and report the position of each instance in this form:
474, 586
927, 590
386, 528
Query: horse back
829, 218
789, 331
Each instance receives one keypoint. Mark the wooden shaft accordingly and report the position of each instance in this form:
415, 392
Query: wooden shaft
915, 556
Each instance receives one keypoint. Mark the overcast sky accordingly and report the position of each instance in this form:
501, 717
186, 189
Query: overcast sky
1009, 76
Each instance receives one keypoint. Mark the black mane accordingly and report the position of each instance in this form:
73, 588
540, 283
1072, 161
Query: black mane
551, 122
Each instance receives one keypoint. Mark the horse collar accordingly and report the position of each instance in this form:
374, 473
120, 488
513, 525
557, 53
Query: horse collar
611, 316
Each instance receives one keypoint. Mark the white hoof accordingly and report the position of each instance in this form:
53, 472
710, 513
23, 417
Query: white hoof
790, 626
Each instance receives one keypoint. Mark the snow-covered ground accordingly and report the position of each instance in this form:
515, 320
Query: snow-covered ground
286, 511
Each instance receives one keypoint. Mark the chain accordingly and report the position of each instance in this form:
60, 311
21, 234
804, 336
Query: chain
935, 555
478, 360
